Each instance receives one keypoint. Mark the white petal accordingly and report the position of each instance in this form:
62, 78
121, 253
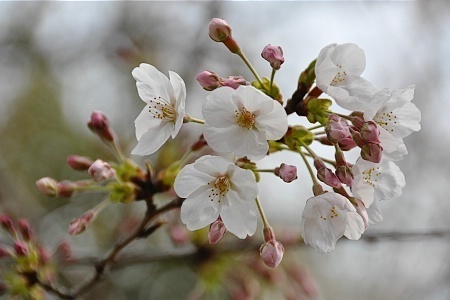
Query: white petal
225, 139
189, 179
179, 89
252, 99
354, 226
350, 57
319, 235
144, 122
376, 102
274, 124
212, 165
152, 83
244, 182
393, 148
254, 145
360, 92
374, 213
197, 211
325, 73
239, 215
219, 110
153, 139
391, 181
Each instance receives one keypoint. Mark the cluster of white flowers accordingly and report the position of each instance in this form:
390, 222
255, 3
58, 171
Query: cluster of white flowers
240, 121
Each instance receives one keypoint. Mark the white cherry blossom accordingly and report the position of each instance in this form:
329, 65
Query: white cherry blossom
328, 217
214, 186
164, 111
242, 121
338, 69
377, 182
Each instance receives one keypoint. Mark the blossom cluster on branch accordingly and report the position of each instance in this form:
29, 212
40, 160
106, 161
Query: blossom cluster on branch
243, 122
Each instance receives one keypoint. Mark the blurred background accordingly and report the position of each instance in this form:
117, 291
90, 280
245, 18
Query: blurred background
61, 61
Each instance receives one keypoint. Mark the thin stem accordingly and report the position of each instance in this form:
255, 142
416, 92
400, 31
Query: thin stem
320, 132
272, 76
264, 170
92, 188
249, 65
315, 127
261, 212
310, 170
329, 161
313, 154
350, 118
117, 151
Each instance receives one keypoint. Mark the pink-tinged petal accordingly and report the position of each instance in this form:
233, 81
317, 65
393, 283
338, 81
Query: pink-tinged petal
152, 83
212, 165
197, 211
219, 110
274, 124
247, 188
350, 57
153, 139
239, 215
144, 122
354, 226
189, 179
254, 145
225, 139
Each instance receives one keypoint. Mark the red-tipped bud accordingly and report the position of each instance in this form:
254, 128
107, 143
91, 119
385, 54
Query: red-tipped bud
101, 170
21, 248
7, 224
99, 124
372, 152
370, 133
286, 172
208, 80
47, 186
361, 210
79, 163
233, 81
25, 230
219, 30
272, 253
79, 225
338, 131
217, 231
274, 55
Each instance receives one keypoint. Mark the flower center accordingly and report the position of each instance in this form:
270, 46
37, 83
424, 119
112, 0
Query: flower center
385, 119
245, 119
161, 109
220, 187
340, 76
333, 214
370, 176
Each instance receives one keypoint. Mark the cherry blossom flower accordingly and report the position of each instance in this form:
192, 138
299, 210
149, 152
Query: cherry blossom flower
376, 182
338, 69
396, 118
242, 120
214, 186
164, 111
328, 217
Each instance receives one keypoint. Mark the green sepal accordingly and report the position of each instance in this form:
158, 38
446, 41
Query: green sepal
317, 110
124, 192
297, 136
127, 170
273, 93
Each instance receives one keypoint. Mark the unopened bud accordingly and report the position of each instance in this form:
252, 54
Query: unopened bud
21, 248
233, 81
358, 121
179, 234
79, 225
345, 175
64, 251
4, 252
24, 229
372, 152
217, 231
274, 55
7, 224
338, 131
219, 30
272, 253
326, 175
361, 210
370, 133
99, 124
286, 172
79, 163
47, 186
101, 170
65, 188
208, 80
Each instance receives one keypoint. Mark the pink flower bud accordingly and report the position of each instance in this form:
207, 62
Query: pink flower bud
179, 234
372, 152
47, 186
99, 124
44, 255
345, 175
65, 188
370, 133
24, 229
4, 252
358, 121
219, 30
326, 175
64, 251
286, 172
338, 131
356, 136
208, 80
272, 253
361, 210
21, 248
101, 170
274, 55
79, 163
79, 225
217, 231
233, 81
7, 224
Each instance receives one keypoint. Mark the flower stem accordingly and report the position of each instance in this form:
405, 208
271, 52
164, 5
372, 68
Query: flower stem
310, 170
315, 127
188, 119
331, 162
261, 212
117, 151
264, 170
272, 76
249, 65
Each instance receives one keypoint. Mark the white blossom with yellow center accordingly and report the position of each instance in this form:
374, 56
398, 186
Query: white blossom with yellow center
242, 121
163, 114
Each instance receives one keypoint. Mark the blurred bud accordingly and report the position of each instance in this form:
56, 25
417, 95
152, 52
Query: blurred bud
44, 255
361, 210
233, 81
199, 144
219, 30
272, 253
372, 152
179, 234
4, 252
47, 186
326, 175
64, 251
99, 124
79, 225
65, 188
208, 80
286, 172
24, 229
274, 55
79, 163
345, 175
7, 224
217, 231
21, 248
101, 170
370, 133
